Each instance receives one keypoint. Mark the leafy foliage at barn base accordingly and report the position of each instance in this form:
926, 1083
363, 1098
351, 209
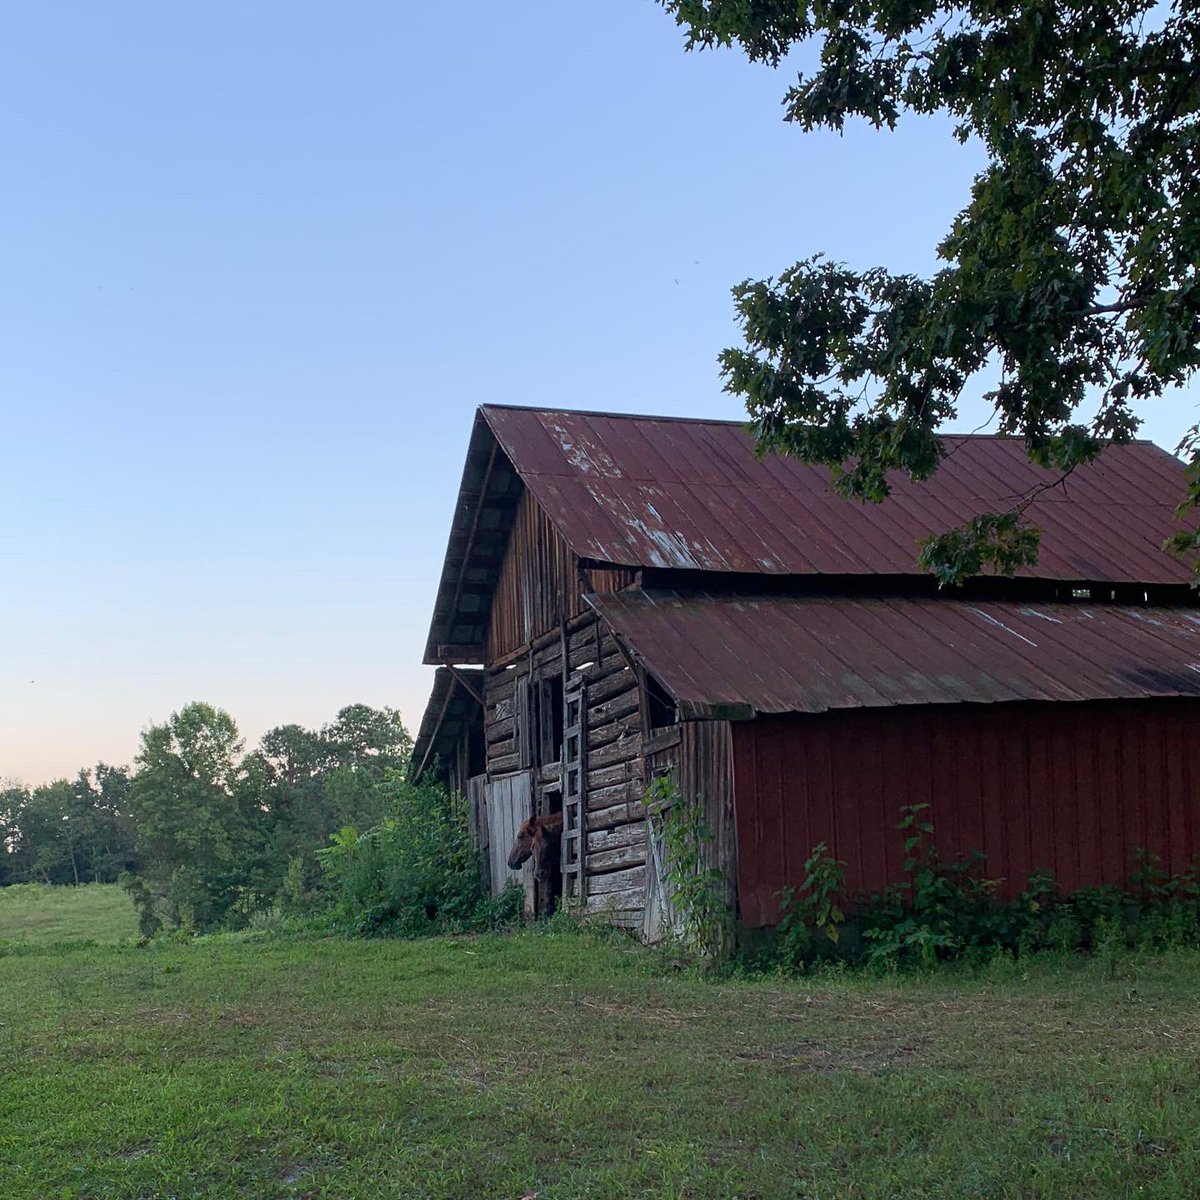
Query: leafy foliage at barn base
414, 873
945, 910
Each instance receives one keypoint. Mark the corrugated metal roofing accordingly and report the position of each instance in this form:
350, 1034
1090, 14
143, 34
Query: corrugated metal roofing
732, 656
661, 492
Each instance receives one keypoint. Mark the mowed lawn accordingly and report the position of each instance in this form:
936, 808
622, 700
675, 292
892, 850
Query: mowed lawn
562, 1065
37, 912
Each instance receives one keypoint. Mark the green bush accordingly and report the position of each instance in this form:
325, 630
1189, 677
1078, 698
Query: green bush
947, 909
414, 873
810, 916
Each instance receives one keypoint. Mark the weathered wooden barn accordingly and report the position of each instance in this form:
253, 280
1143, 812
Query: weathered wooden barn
624, 596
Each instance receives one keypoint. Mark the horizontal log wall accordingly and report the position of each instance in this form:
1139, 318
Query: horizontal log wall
500, 722
538, 595
615, 815
697, 753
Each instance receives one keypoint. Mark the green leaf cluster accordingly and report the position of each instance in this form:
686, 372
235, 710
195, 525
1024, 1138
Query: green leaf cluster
948, 909
697, 885
1072, 270
413, 873
811, 916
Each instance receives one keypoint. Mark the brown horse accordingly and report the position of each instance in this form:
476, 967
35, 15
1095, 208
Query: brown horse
538, 837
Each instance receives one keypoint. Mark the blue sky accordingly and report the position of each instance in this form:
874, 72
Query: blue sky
260, 263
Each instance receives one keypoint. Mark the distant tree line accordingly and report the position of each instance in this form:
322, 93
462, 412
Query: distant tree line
68, 831
199, 831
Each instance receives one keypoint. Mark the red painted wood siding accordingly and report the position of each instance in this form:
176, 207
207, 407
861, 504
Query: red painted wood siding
1069, 788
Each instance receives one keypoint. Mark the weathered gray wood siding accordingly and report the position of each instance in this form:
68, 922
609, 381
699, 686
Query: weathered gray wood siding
505, 805
615, 817
698, 756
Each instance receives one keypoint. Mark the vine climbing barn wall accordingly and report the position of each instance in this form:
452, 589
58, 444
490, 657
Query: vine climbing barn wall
1073, 789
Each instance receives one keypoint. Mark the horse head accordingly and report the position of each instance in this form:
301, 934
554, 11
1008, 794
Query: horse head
537, 838
522, 847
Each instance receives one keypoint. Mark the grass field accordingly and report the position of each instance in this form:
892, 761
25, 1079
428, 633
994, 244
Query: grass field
38, 913
566, 1065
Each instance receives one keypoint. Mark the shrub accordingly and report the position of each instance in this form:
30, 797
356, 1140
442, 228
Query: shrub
810, 916
941, 908
414, 873
948, 909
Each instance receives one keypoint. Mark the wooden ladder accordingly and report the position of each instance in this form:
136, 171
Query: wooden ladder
574, 834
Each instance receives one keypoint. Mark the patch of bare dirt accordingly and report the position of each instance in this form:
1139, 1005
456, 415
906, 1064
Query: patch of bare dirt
870, 1057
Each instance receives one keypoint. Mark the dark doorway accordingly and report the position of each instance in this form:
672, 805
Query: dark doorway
550, 720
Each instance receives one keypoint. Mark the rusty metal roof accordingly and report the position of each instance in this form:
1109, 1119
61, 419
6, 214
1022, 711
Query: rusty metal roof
691, 494
663, 492
733, 656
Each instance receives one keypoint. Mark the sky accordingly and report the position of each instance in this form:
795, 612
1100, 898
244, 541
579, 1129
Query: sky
260, 262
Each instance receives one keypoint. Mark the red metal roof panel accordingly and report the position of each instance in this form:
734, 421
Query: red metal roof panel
776, 654
660, 492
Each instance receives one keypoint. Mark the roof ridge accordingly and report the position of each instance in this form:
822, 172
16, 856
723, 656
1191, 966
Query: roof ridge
742, 424
596, 412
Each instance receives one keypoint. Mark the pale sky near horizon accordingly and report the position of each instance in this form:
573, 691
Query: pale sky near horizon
262, 261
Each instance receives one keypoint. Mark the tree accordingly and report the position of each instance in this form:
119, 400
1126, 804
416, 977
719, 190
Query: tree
100, 809
295, 755
1073, 268
362, 736
66, 832
311, 783
368, 746
284, 780
195, 832
44, 834
13, 798
202, 835
54, 823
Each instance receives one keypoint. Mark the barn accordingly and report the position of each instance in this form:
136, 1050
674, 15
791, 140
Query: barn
627, 596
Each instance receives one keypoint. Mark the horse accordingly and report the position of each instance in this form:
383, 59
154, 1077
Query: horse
538, 837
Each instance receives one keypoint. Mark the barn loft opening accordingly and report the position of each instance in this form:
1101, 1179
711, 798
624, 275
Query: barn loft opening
660, 707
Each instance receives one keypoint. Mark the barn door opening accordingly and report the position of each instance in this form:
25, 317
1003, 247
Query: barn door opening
550, 721
549, 893
574, 834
